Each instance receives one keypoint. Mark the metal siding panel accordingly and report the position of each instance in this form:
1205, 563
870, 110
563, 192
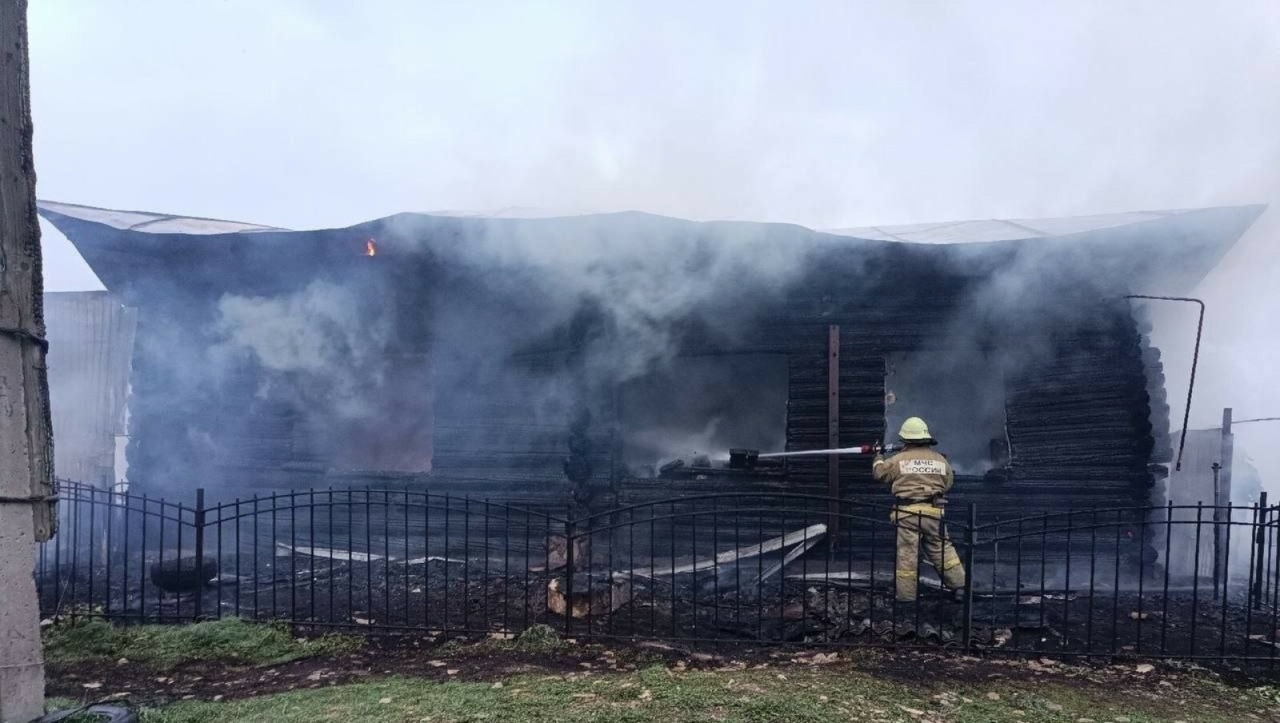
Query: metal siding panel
90, 348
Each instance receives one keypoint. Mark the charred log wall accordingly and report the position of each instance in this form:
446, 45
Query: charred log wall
1079, 425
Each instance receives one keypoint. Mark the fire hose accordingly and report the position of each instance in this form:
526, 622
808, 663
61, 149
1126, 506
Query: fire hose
861, 449
747, 458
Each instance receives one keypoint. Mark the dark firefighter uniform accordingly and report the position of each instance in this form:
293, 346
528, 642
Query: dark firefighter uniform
920, 477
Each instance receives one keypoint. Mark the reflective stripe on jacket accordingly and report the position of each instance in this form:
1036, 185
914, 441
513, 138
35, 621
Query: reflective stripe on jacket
916, 474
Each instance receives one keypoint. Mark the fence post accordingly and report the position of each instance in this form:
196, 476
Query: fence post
1260, 543
200, 579
833, 434
568, 573
970, 538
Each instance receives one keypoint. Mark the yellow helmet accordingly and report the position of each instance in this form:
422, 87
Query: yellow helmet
915, 430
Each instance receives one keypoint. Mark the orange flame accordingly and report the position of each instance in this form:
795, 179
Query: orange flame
370, 249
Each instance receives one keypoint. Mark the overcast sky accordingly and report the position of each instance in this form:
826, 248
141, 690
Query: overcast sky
305, 114
829, 114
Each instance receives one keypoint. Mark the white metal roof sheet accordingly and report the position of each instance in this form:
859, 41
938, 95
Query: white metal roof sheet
999, 230
151, 222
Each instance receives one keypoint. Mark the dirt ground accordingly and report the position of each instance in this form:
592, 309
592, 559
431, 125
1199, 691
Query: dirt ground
492, 661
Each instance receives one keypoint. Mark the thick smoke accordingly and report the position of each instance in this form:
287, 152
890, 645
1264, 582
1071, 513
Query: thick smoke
327, 354
1008, 326
479, 308
644, 275
623, 296
332, 339
1238, 352
616, 300
703, 406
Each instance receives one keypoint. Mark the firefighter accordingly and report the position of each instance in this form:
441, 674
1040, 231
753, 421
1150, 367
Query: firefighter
919, 478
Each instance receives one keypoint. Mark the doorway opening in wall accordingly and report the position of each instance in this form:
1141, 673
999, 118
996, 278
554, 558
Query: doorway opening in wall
701, 406
961, 396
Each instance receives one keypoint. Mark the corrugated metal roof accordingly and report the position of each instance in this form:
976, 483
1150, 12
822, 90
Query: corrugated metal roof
151, 222
944, 232
999, 230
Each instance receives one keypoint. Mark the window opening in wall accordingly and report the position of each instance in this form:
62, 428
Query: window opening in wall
701, 406
962, 398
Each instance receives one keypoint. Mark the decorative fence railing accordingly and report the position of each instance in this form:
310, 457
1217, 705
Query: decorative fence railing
755, 568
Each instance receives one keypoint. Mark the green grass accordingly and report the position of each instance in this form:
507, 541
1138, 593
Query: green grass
536, 639
164, 646
794, 695
856, 690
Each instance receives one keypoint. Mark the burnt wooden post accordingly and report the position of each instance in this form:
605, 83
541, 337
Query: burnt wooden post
833, 433
198, 520
570, 568
1222, 502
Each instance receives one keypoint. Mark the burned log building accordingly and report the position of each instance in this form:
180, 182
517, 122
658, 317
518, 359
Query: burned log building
553, 362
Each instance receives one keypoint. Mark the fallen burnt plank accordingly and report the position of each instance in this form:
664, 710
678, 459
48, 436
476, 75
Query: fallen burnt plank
776, 567
284, 550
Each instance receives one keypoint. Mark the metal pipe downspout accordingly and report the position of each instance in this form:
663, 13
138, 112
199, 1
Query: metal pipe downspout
1195, 360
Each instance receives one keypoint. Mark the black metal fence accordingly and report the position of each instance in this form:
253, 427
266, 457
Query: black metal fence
754, 568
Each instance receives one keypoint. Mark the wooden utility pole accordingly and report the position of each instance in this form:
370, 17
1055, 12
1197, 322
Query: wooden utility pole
26, 454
